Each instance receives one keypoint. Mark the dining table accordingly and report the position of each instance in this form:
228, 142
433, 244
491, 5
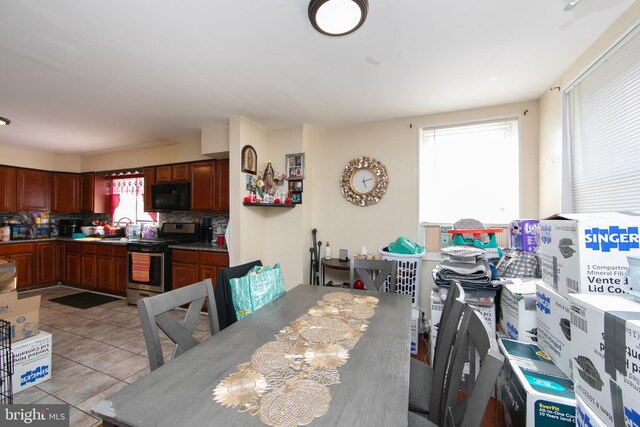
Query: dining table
316, 356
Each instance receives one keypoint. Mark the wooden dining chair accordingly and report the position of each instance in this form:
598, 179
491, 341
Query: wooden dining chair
373, 273
155, 314
466, 396
426, 383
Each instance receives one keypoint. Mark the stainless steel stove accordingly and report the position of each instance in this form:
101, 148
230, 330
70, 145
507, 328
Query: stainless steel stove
149, 260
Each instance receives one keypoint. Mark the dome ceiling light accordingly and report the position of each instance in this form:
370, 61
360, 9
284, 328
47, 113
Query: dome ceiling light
4, 122
337, 18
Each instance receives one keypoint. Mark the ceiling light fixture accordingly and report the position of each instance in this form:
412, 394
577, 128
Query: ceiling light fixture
4, 122
337, 18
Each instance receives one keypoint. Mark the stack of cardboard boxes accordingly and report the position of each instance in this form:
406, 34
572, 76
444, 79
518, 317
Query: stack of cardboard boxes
586, 324
31, 348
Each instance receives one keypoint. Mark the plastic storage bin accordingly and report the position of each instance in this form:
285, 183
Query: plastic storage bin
408, 274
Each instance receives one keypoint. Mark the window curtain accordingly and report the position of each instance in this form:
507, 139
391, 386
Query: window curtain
602, 133
131, 185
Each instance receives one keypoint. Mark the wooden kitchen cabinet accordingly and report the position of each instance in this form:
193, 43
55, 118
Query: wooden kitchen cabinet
89, 266
221, 192
149, 180
189, 267
46, 262
202, 186
95, 193
65, 192
173, 173
106, 269
61, 265
33, 191
163, 174
22, 255
73, 264
184, 268
8, 189
121, 274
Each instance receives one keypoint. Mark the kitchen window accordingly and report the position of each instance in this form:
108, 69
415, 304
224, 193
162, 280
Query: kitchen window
127, 199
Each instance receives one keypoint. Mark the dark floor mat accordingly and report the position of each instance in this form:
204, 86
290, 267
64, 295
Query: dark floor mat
84, 300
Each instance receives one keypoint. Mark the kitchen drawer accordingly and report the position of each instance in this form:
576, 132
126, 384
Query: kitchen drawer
214, 258
74, 247
185, 257
104, 250
89, 248
120, 251
16, 248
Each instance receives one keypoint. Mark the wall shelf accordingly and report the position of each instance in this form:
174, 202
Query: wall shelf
270, 205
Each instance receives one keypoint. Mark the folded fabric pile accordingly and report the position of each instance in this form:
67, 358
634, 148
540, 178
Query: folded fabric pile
466, 265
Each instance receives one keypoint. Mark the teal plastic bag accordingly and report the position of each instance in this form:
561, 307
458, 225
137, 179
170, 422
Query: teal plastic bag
257, 288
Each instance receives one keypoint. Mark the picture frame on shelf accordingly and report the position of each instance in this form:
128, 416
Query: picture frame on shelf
249, 160
296, 186
249, 182
296, 198
295, 166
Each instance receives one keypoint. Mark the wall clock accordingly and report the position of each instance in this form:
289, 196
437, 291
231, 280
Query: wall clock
364, 181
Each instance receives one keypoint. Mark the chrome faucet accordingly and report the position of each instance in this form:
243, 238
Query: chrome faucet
124, 217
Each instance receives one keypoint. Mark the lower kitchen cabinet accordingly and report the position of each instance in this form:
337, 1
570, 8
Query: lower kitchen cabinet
189, 267
121, 270
22, 255
46, 262
106, 267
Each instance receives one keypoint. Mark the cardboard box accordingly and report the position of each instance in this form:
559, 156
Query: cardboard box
415, 318
531, 390
518, 310
553, 315
7, 276
525, 235
24, 315
483, 300
32, 361
587, 253
605, 346
585, 417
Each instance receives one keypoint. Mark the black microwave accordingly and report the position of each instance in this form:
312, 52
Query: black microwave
171, 196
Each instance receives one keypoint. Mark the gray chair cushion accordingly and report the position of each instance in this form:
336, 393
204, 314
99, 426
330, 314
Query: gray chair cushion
416, 420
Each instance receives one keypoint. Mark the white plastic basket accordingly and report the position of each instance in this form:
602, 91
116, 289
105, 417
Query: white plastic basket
408, 274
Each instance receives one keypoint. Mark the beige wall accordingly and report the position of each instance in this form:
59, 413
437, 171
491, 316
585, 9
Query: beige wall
215, 140
144, 156
551, 113
38, 160
395, 144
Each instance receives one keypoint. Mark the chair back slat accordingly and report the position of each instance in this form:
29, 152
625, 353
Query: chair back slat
155, 315
373, 273
474, 339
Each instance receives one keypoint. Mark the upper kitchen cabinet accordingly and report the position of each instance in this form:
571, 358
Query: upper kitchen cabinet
149, 180
65, 192
33, 190
173, 173
221, 200
210, 185
7, 189
95, 194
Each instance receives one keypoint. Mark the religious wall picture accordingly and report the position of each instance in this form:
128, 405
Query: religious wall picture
295, 186
249, 160
295, 166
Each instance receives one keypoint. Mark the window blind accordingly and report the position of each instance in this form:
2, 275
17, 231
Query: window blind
603, 132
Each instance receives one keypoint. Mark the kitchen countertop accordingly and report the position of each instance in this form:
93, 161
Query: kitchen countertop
193, 246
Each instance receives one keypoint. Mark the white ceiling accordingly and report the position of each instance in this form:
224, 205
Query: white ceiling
87, 76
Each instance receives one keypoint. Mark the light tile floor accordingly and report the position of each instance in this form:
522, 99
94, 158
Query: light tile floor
96, 352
